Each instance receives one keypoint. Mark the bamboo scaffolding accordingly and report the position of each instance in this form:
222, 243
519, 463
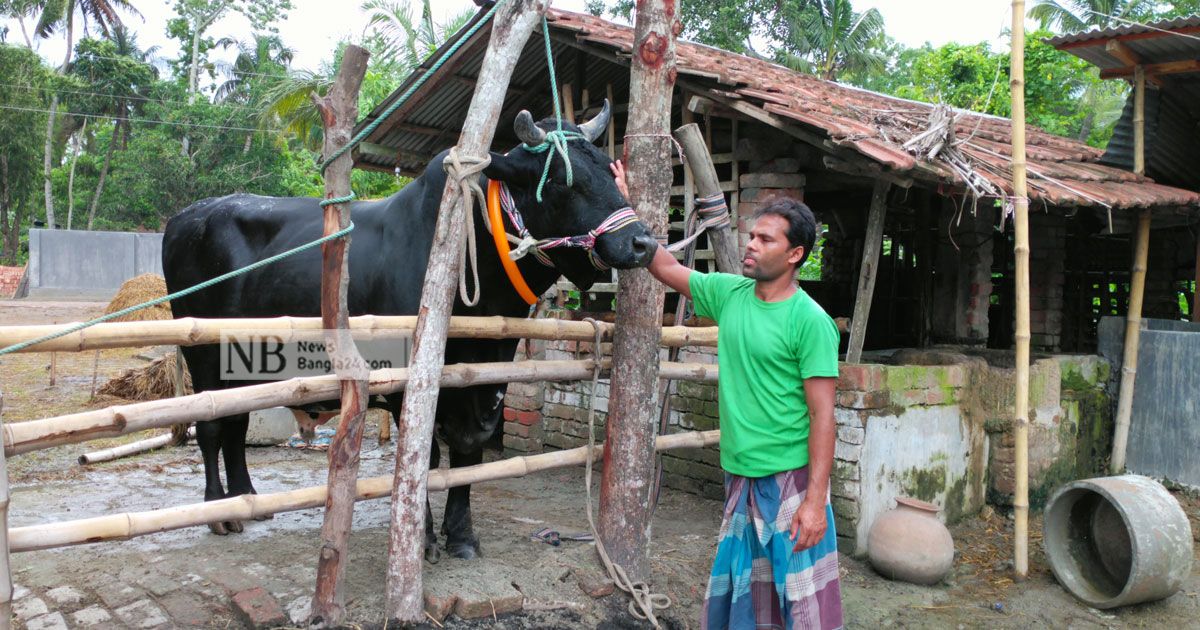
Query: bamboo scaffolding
1137, 285
134, 448
190, 331
1021, 253
251, 506
35, 435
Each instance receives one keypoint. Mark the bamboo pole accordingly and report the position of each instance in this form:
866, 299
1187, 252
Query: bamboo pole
190, 331
1137, 285
1021, 252
339, 111
251, 506
34, 435
724, 241
868, 271
134, 448
511, 26
627, 480
6, 585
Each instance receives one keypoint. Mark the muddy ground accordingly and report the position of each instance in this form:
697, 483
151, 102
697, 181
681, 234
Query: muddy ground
188, 577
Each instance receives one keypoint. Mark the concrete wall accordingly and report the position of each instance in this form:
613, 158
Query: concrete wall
1163, 431
89, 262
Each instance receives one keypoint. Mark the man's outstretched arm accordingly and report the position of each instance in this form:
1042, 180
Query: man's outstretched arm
663, 266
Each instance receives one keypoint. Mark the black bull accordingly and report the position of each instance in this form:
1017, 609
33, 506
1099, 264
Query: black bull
388, 256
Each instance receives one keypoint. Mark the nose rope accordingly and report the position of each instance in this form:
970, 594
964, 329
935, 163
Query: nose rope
616, 221
712, 213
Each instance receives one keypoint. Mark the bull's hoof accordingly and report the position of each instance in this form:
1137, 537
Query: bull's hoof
264, 517
218, 529
432, 553
466, 550
235, 527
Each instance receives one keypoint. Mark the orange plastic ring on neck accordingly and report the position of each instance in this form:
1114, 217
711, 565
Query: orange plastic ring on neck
501, 238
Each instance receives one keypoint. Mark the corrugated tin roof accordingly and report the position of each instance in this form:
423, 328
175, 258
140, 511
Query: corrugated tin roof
835, 117
1172, 122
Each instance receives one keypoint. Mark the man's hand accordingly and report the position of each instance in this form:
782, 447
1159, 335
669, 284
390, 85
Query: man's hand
808, 524
618, 171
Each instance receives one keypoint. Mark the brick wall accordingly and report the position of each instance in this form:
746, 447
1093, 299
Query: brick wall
10, 277
1047, 255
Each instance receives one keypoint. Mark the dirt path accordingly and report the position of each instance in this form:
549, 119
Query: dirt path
187, 578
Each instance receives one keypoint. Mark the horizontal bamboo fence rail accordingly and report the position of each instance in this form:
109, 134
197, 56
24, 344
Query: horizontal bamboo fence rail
122, 419
250, 506
190, 331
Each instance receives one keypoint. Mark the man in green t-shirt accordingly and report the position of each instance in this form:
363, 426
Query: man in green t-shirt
777, 353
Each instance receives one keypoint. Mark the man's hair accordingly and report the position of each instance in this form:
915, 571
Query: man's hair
802, 225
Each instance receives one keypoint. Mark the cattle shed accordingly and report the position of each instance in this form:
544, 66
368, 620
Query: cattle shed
927, 411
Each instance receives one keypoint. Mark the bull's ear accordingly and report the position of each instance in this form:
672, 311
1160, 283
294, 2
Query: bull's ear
509, 168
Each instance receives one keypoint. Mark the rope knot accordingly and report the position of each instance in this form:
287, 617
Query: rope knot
466, 169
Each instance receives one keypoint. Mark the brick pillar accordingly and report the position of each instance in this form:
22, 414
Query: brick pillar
1047, 257
963, 287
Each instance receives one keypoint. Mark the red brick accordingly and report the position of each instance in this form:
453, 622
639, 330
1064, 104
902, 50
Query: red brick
439, 606
257, 609
510, 414
594, 583
863, 378
934, 396
529, 418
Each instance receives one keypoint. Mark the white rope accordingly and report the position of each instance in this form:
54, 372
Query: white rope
645, 602
466, 170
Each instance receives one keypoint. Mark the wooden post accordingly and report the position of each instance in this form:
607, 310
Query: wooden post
568, 103
1021, 257
724, 242
868, 271
624, 525
339, 111
6, 585
1137, 284
511, 25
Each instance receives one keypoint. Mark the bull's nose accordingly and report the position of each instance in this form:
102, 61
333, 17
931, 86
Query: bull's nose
644, 246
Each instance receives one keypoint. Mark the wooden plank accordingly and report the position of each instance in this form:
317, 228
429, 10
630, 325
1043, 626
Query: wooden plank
1153, 69
868, 271
1122, 51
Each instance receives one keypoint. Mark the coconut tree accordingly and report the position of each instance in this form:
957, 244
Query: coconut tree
56, 14
262, 57
1068, 16
118, 76
828, 37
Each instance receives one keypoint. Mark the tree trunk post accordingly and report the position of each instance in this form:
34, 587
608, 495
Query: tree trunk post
339, 111
625, 486
511, 26
699, 161
47, 161
1137, 284
1021, 264
869, 270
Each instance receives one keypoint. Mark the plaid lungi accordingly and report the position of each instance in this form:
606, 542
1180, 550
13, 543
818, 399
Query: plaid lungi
757, 580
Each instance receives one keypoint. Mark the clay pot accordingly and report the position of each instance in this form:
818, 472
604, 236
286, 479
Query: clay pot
909, 543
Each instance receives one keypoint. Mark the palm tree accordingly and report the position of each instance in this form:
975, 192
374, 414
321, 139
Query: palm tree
399, 44
118, 71
265, 56
829, 37
54, 14
1068, 16
19, 10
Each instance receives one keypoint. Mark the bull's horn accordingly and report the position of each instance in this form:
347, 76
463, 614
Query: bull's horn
528, 132
596, 126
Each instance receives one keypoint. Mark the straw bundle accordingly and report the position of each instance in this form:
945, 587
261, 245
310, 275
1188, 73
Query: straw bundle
153, 382
140, 289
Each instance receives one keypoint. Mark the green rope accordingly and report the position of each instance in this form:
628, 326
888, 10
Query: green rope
557, 139
178, 294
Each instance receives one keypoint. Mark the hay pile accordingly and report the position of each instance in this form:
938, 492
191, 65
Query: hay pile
137, 290
153, 382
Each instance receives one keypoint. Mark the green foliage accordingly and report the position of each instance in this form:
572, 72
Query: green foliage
22, 129
828, 37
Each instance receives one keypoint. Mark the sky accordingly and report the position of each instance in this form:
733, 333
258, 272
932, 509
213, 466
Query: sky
313, 30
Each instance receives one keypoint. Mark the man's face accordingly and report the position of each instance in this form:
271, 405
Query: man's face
768, 254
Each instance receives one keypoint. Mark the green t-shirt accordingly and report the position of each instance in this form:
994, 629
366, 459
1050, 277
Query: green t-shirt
765, 350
